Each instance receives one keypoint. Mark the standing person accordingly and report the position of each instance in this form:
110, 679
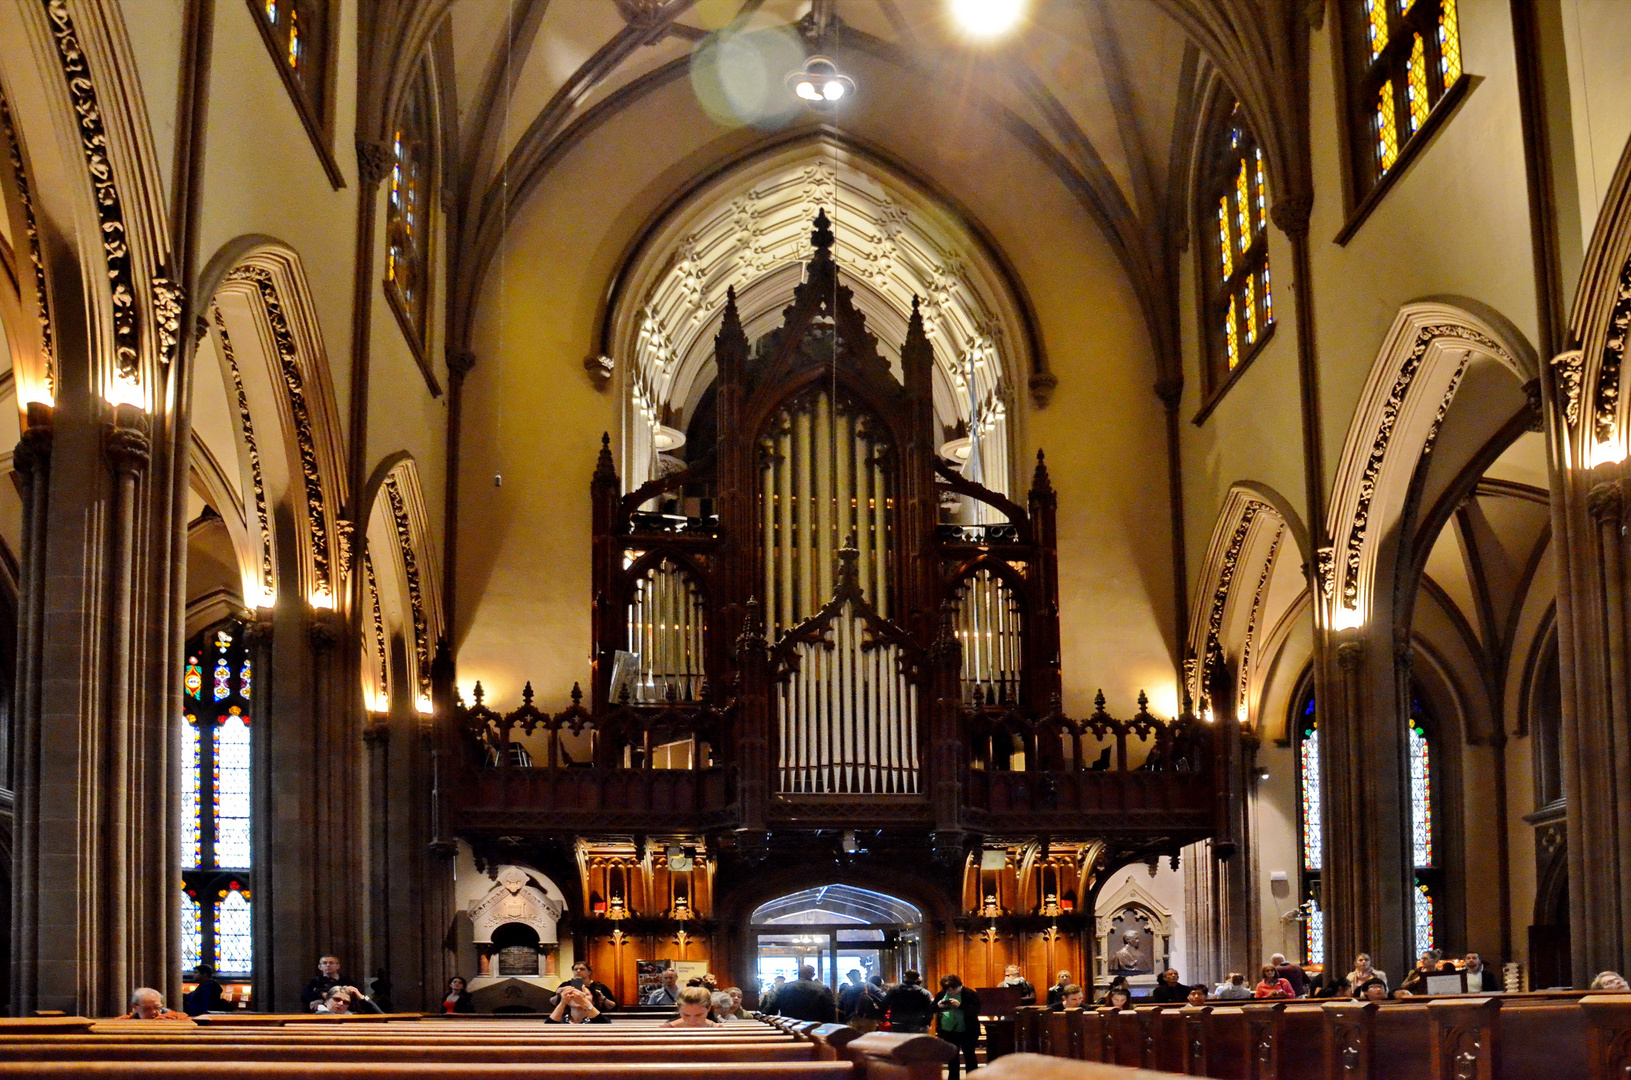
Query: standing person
669, 992
1481, 979
767, 1000
147, 1003
908, 1006
206, 996
458, 999
1012, 978
583, 977
1291, 973
326, 979
851, 995
806, 999
1271, 985
958, 1020
1057, 991
1168, 989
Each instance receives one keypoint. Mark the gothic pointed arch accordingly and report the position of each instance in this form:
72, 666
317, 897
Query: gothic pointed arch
1250, 592
402, 586
1433, 346
275, 366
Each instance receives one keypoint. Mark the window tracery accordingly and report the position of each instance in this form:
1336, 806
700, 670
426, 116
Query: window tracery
216, 853
1404, 57
1238, 298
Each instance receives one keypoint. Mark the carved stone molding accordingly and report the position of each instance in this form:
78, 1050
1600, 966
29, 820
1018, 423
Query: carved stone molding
1042, 385
32, 455
1231, 560
1290, 214
1258, 594
327, 628
167, 297
1350, 655
288, 355
1569, 370
410, 567
257, 479
1404, 655
1409, 368
1325, 568
93, 139
1606, 401
31, 227
599, 369
380, 655
258, 631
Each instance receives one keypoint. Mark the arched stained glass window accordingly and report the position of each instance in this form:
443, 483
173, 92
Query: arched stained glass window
1428, 877
1403, 57
1239, 304
295, 32
216, 758
407, 215
1310, 823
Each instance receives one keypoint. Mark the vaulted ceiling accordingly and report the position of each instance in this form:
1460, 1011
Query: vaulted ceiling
1104, 93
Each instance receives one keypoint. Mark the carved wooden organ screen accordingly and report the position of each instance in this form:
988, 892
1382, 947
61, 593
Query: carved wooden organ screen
823, 526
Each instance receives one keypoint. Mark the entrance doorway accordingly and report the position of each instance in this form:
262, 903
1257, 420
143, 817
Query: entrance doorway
836, 929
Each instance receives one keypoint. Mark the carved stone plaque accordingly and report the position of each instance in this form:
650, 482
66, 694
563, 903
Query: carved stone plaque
518, 960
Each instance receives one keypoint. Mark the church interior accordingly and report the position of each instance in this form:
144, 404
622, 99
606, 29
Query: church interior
1102, 486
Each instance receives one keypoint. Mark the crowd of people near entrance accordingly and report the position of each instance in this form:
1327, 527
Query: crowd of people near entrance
869, 1004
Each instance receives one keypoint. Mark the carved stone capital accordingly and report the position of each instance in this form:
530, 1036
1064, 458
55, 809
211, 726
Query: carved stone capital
327, 628
1042, 385
373, 161
460, 363
128, 449
1606, 501
377, 732
32, 455
1170, 391
1350, 655
1290, 214
599, 369
1537, 409
258, 631
1404, 655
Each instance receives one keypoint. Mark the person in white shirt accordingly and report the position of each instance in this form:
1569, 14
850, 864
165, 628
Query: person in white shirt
1233, 988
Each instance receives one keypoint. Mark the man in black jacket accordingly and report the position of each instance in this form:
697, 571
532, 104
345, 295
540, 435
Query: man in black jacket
327, 978
958, 1021
1480, 979
806, 999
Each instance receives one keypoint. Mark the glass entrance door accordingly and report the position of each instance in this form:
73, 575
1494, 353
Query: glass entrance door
836, 929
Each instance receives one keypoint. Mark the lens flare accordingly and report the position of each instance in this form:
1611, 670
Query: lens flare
987, 18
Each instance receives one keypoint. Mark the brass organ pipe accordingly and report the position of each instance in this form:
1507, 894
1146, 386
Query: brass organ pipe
823, 464
785, 538
909, 778
863, 521
880, 545
769, 544
848, 717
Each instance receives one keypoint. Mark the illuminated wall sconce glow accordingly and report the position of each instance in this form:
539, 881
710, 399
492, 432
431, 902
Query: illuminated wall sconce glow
1346, 618
322, 600
987, 19
1608, 452
425, 708
122, 391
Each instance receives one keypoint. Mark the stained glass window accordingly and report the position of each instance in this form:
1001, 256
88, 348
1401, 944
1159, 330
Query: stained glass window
407, 213
234, 947
215, 760
1239, 308
295, 31
1311, 828
1404, 57
1424, 918
192, 945
1419, 750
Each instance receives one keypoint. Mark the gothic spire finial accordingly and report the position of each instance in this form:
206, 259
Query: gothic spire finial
605, 468
822, 238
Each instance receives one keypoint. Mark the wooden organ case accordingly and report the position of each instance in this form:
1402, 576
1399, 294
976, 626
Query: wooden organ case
817, 627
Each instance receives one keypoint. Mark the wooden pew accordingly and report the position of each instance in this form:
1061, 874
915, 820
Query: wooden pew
294, 1070
1609, 1018
1040, 1067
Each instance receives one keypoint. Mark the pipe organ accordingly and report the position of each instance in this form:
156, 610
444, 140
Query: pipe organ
813, 620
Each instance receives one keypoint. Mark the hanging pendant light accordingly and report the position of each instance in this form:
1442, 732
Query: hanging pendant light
819, 84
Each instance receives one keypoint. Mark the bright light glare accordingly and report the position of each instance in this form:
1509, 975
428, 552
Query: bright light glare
807, 91
833, 90
1346, 618
987, 18
1609, 451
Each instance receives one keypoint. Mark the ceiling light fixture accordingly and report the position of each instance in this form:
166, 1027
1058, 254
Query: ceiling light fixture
819, 84
987, 18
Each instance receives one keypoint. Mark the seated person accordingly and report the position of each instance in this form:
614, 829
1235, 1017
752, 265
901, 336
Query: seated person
1233, 989
206, 996
147, 1003
1072, 997
1197, 995
1271, 985
1117, 997
721, 1007
1338, 987
1610, 981
341, 1000
1372, 990
694, 1003
577, 1006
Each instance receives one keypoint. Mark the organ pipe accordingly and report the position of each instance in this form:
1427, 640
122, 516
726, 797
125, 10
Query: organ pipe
990, 627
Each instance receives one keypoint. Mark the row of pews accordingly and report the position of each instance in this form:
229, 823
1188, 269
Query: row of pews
270, 1047
1539, 1036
